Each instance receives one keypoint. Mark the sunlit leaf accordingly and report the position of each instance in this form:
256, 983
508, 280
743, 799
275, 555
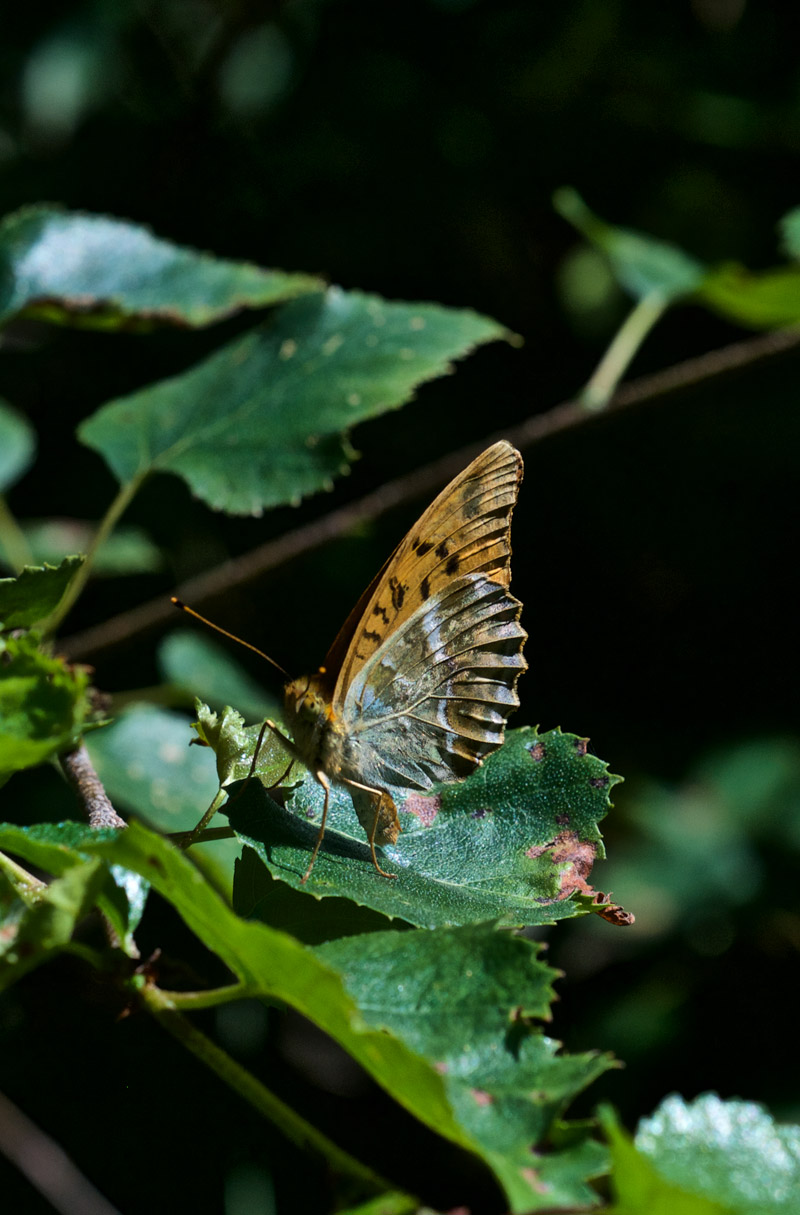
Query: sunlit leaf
43, 704
764, 300
91, 270
264, 420
464, 999
35, 593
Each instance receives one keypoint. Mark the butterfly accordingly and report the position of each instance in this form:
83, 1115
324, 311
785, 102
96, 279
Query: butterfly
418, 684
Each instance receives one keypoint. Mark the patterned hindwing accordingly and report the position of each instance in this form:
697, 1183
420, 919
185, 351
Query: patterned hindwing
434, 698
466, 530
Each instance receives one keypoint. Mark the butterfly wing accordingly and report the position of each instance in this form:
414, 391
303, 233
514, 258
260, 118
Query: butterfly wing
433, 698
466, 530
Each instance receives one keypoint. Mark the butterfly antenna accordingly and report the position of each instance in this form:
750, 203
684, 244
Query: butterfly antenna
217, 629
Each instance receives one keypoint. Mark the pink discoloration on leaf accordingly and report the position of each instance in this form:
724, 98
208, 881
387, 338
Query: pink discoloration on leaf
536, 752
581, 745
534, 1181
422, 807
480, 1097
441, 1068
575, 858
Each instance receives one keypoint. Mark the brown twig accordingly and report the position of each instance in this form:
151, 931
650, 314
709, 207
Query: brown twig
79, 771
47, 1166
240, 570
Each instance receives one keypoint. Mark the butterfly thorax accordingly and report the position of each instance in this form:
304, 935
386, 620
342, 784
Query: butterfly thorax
317, 732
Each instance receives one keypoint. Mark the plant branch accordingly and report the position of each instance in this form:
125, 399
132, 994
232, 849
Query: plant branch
47, 1166
79, 771
12, 539
28, 887
106, 526
287, 1120
240, 570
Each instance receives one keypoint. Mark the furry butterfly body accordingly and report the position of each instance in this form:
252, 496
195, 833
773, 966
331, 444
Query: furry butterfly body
418, 684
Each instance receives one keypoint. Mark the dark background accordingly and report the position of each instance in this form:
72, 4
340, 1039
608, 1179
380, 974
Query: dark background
412, 150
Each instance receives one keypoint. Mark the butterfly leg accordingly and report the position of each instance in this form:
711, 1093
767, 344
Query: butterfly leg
326, 785
378, 820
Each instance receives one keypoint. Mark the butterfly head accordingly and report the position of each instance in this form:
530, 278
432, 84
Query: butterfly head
309, 712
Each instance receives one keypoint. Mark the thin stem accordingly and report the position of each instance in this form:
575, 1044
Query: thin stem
238, 571
190, 837
79, 771
106, 526
625, 344
188, 1001
12, 539
288, 1121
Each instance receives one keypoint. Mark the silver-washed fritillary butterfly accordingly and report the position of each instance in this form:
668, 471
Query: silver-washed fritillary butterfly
418, 684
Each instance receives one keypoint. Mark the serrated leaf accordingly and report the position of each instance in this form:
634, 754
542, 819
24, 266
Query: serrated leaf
233, 744
276, 967
128, 550
642, 265
47, 927
58, 847
99, 272
264, 420
43, 704
147, 766
707, 1156
463, 998
516, 839
763, 301
190, 661
35, 593
17, 446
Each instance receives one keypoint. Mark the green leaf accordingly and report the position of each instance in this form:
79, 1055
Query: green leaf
713, 1155
233, 744
33, 936
17, 446
516, 839
642, 265
276, 967
147, 766
264, 420
58, 847
128, 550
463, 999
36, 593
203, 668
98, 272
762, 301
43, 704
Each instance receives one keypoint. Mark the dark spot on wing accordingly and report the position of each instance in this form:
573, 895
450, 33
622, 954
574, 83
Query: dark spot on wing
398, 592
452, 564
379, 610
442, 549
421, 547
425, 588
370, 636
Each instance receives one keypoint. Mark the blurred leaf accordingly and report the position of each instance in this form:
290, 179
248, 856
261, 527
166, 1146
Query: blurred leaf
706, 1156
147, 766
43, 704
90, 270
515, 839
763, 301
642, 264
264, 420
17, 446
128, 550
203, 668
32, 936
59, 847
463, 999
638, 1187
35, 593
789, 228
